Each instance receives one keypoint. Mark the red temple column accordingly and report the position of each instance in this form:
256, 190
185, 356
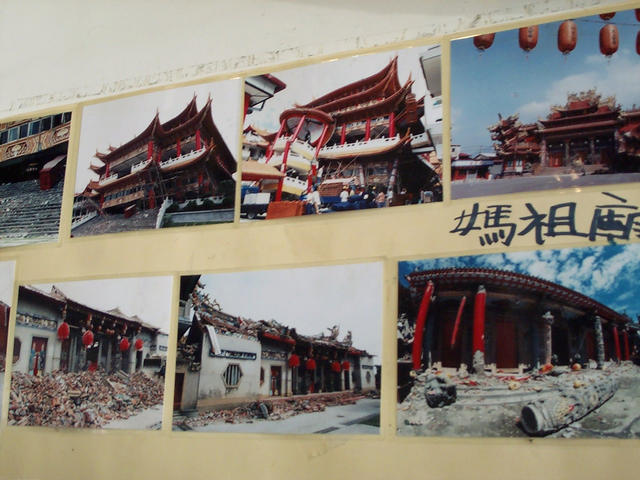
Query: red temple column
178, 148
321, 139
616, 341
275, 140
367, 132
392, 125
416, 352
478, 329
456, 326
198, 140
625, 336
285, 154
107, 171
343, 134
149, 150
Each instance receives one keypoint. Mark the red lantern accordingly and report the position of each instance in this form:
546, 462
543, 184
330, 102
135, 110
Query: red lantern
346, 365
310, 364
335, 366
528, 38
482, 42
124, 345
87, 338
609, 39
63, 331
607, 16
138, 344
567, 36
294, 360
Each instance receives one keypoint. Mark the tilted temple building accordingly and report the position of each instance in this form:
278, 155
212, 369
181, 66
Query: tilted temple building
589, 134
180, 159
365, 134
481, 318
51, 334
33, 155
225, 360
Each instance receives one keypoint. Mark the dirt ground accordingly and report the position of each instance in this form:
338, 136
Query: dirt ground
491, 405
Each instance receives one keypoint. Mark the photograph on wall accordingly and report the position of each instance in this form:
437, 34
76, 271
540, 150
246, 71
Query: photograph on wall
351, 134
91, 354
6, 296
534, 343
546, 106
280, 351
162, 159
33, 158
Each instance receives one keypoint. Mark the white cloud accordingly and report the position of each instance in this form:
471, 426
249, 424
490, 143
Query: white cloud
612, 76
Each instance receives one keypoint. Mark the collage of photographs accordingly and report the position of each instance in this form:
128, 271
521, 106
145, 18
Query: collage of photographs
537, 342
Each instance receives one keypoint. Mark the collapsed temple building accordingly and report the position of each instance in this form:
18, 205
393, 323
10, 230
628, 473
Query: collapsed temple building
184, 158
484, 319
56, 333
364, 135
33, 155
224, 360
589, 134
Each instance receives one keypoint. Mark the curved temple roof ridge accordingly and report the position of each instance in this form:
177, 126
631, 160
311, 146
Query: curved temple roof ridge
508, 278
389, 73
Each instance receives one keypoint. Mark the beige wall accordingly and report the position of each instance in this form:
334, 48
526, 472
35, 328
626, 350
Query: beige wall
64, 52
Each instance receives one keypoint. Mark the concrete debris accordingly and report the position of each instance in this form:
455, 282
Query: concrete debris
439, 391
491, 405
277, 409
85, 399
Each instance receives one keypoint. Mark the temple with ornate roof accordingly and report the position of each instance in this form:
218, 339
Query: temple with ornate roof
362, 135
53, 332
184, 158
581, 132
225, 360
490, 319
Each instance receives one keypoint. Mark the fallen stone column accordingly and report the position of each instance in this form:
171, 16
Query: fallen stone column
567, 406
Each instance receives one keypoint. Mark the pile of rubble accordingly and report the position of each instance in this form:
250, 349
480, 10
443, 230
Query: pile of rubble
274, 409
85, 399
538, 403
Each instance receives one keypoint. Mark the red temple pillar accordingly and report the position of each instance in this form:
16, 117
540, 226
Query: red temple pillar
275, 140
367, 132
178, 148
285, 154
625, 336
149, 150
478, 329
616, 341
456, 326
321, 140
392, 125
107, 171
343, 134
198, 140
416, 353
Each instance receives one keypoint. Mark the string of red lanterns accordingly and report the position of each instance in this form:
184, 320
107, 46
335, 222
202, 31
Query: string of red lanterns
567, 37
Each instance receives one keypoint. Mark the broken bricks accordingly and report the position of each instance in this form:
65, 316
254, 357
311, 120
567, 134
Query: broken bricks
79, 399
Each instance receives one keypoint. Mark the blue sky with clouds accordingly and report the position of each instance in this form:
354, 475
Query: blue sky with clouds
504, 79
608, 274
